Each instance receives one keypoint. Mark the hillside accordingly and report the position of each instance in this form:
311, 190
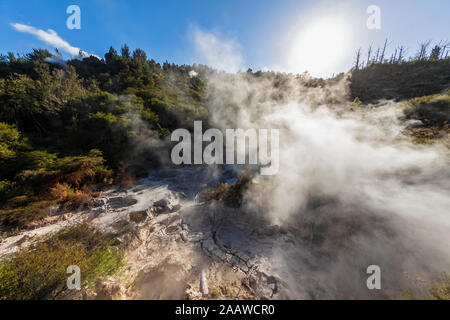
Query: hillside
85, 172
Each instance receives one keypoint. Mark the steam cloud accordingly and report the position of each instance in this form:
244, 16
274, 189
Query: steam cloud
351, 186
220, 53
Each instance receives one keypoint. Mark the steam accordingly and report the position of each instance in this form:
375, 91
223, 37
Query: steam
351, 186
216, 51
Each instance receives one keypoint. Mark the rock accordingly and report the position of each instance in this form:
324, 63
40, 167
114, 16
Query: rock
121, 224
22, 240
184, 237
67, 216
98, 202
138, 216
172, 229
160, 207
164, 206
98, 211
121, 202
160, 210
161, 203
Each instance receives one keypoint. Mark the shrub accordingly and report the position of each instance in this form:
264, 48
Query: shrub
432, 110
441, 290
6, 190
400, 81
39, 271
48, 181
25, 212
9, 137
231, 195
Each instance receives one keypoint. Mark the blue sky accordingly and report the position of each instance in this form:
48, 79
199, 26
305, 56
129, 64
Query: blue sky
231, 34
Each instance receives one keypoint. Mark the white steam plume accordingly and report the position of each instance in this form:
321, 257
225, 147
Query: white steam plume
351, 186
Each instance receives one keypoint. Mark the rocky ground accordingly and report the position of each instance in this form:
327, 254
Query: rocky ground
176, 246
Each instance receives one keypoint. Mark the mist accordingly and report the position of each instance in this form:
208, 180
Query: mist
351, 186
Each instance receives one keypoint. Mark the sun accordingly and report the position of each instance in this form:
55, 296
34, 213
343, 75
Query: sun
320, 47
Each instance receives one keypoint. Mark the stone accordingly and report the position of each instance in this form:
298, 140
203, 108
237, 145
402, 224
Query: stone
164, 206
138, 216
98, 202
121, 202
161, 203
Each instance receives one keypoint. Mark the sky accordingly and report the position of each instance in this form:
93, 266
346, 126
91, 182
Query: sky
317, 36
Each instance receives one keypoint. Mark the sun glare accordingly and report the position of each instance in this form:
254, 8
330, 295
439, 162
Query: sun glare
320, 47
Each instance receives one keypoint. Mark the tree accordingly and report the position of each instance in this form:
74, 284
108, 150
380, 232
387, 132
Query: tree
422, 53
358, 59
435, 53
140, 55
125, 51
111, 55
38, 55
383, 51
400, 54
369, 55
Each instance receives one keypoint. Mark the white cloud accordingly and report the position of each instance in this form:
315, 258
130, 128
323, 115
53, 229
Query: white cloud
220, 53
51, 38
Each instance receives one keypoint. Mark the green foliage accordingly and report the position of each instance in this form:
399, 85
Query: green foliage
8, 133
23, 214
231, 195
39, 55
39, 271
441, 290
216, 294
48, 170
32, 104
399, 81
6, 190
29, 197
433, 110
52, 116
9, 137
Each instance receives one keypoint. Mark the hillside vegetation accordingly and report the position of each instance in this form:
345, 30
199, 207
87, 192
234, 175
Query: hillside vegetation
69, 129
399, 77
39, 271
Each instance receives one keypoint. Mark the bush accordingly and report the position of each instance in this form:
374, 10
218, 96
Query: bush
441, 290
400, 81
231, 195
49, 181
39, 271
9, 137
26, 212
6, 190
432, 110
